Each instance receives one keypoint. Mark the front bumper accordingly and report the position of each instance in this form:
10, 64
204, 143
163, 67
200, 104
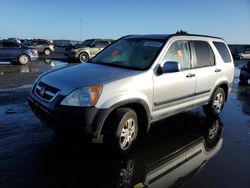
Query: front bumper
34, 57
87, 120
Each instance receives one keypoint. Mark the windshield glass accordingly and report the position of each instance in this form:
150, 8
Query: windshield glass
87, 43
130, 53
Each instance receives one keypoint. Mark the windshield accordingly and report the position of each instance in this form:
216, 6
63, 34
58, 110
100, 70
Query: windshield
87, 43
130, 53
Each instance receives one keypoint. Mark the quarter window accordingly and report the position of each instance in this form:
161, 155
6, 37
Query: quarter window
179, 52
204, 54
224, 53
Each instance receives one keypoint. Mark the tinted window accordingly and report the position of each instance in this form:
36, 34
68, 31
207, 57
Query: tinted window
204, 54
10, 45
42, 42
222, 49
87, 43
28, 42
179, 51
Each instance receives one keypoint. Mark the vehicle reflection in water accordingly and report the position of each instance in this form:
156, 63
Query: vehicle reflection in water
39, 66
243, 96
169, 156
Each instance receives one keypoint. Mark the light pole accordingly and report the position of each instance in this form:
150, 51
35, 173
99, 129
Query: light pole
80, 29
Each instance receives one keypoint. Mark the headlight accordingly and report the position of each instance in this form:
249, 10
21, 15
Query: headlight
86, 96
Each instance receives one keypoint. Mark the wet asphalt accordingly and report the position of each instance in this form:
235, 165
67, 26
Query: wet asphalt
186, 150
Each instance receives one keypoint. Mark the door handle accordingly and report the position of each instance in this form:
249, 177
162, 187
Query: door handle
190, 75
217, 70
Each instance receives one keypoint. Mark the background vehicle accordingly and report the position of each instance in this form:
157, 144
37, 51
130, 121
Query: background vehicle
245, 72
16, 40
86, 50
11, 51
42, 46
134, 82
245, 54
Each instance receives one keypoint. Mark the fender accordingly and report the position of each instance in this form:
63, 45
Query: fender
102, 116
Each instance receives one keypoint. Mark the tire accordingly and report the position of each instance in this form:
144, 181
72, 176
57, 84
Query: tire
213, 133
216, 104
122, 132
47, 52
83, 57
23, 59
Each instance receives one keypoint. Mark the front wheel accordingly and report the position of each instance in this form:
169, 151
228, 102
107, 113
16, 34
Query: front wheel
83, 57
216, 104
23, 59
122, 131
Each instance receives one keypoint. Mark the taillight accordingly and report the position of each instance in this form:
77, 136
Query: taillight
33, 51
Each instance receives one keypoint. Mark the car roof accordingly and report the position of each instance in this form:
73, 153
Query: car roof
165, 37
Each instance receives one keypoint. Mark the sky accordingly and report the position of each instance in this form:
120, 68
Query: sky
82, 19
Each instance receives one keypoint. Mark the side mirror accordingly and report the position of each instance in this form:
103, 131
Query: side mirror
170, 66
92, 45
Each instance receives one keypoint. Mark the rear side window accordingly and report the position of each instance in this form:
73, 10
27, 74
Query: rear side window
42, 42
224, 53
204, 54
10, 45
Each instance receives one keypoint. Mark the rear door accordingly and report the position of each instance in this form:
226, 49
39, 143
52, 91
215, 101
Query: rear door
174, 92
40, 45
207, 71
10, 50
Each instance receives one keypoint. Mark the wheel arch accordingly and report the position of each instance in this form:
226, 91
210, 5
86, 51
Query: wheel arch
224, 85
83, 51
23, 54
138, 105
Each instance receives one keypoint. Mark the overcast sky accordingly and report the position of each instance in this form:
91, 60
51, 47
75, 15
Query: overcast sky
80, 19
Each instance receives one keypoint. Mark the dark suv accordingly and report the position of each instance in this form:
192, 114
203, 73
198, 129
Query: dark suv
245, 72
15, 52
41, 45
88, 49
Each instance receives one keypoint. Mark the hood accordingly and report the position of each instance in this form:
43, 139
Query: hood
81, 75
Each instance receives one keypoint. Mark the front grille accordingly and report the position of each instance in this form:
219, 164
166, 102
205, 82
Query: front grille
45, 91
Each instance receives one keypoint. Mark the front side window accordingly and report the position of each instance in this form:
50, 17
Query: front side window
179, 52
87, 43
204, 54
132, 53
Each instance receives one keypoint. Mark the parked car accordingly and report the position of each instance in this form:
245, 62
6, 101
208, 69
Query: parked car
245, 54
42, 46
16, 40
15, 52
88, 49
245, 72
137, 80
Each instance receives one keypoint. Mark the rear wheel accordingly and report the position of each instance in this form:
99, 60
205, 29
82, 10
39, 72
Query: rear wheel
216, 104
122, 131
23, 59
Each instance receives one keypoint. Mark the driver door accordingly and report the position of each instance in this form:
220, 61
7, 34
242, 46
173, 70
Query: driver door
174, 92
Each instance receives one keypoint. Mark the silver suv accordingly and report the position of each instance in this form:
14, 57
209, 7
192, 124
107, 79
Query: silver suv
137, 80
